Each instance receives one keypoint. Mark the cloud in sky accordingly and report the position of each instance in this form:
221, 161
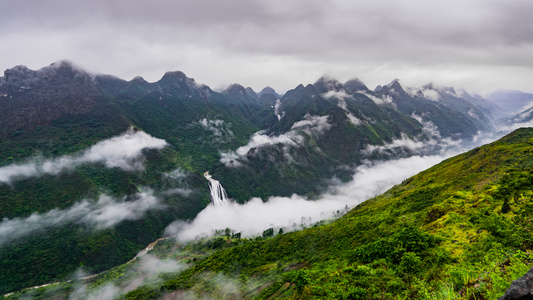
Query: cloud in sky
103, 213
475, 44
124, 151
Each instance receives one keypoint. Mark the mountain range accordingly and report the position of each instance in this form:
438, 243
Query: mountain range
64, 135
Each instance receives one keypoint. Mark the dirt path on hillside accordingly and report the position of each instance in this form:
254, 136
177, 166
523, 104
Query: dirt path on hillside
140, 254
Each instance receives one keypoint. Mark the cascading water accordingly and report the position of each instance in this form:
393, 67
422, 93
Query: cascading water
218, 194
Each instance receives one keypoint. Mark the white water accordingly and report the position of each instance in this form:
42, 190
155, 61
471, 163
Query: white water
218, 194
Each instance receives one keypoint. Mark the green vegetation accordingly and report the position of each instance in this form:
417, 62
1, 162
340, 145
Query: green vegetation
69, 111
440, 234
51, 254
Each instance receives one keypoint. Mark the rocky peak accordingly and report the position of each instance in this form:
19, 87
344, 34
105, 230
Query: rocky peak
235, 89
393, 88
59, 72
268, 90
138, 79
325, 84
355, 85
178, 78
252, 93
39, 97
18, 73
175, 76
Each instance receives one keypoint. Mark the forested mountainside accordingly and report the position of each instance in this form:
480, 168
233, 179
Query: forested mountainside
65, 137
459, 230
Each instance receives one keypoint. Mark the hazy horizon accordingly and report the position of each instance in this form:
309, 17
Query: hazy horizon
477, 45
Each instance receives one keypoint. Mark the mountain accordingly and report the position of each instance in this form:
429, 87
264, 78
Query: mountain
268, 91
327, 128
66, 158
461, 229
67, 127
510, 101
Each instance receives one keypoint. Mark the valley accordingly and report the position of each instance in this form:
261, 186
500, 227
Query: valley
93, 168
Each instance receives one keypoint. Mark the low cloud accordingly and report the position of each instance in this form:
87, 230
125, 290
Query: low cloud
146, 267
385, 99
428, 142
124, 151
336, 94
314, 126
218, 128
149, 266
175, 183
105, 212
403, 143
213, 286
431, 94
253, 217
515, 126
342, 96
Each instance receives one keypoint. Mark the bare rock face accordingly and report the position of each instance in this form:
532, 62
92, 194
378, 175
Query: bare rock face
521, 288
29, 98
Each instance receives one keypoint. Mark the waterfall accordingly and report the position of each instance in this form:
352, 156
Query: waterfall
218, 194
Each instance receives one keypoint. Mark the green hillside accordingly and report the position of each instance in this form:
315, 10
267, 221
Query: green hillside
460, 230
59, 112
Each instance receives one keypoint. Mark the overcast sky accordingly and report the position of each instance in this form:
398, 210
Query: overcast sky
480, 45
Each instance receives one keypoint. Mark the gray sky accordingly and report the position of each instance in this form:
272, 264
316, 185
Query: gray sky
480, 45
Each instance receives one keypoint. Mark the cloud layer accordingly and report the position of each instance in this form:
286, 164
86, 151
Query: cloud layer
124, 151
474, 44
314, 126
103, 213
255, 216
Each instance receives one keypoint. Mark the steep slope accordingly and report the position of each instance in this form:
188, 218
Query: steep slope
57, 155
452, 120
53, 120
461, 229
327, 128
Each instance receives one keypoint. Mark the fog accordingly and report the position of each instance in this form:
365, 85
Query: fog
370, 179
124, 151
102, 213
218, 128
146, 267
314, 126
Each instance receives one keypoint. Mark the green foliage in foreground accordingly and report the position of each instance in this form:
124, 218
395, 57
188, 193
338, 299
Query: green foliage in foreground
460, 230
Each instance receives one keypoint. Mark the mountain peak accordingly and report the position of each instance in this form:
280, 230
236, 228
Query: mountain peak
17, 72
235, 89
22, 75
325, 84
178, 78
252, 93
395, 82
394, 87
138, 79
354, 85
174, 75
268, 91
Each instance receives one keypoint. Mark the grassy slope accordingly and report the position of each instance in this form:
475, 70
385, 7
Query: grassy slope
443, 234
440, 234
